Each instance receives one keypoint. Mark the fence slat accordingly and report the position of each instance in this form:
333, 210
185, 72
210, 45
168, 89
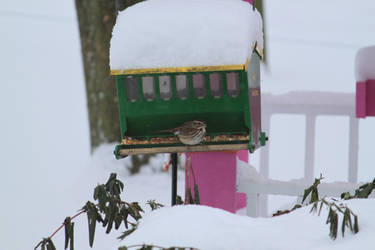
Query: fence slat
311, 104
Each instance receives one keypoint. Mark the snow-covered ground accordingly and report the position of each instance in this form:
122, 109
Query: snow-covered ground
213, 229
47, 172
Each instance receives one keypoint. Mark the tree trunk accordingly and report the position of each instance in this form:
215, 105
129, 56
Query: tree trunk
96, 20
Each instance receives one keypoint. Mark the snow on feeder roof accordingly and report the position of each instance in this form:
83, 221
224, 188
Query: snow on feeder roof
365, 64
178, 35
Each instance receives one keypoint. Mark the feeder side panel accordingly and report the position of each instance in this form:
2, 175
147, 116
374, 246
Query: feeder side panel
121, 94
246, 107
255, 97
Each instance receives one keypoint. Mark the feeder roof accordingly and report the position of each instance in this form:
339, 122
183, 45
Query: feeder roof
185, 35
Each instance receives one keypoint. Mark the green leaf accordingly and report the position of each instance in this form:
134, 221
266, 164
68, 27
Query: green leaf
366, 191
343, 224
137, 206
134, 213
67, 233
40, 243
345, 196
111, 178
314, 195
50, 245
123, 248
127, 232
306, 193
154, 205
146, 247
124, 215
111, 219
196, 194
72, 236
121, 184
96, 193
92, 225
118, 220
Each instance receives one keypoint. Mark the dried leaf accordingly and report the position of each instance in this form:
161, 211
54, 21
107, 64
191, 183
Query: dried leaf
349, 220
356, 228
179, 200
196, 195
314, 208
189, 196
343, 224
320, 208
333, 225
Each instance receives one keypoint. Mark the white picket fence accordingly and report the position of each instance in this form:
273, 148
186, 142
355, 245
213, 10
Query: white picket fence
310, 104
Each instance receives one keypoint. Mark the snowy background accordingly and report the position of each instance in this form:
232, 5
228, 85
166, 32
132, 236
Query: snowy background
47, 172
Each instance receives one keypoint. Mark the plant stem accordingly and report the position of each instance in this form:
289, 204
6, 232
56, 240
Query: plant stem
63, 225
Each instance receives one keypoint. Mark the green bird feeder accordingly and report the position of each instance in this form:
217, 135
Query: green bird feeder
163, 87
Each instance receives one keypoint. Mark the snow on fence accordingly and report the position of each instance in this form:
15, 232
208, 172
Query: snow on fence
310, 104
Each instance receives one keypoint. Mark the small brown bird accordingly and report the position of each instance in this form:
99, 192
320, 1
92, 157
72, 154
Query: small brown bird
189, 133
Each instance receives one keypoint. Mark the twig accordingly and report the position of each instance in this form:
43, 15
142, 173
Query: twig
63, 225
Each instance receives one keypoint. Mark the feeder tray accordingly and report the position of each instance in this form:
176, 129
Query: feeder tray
171, 144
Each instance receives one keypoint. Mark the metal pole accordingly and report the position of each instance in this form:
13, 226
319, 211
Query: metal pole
174, 178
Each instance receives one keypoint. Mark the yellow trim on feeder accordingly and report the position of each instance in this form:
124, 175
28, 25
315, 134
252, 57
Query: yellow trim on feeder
177, 69
247, 63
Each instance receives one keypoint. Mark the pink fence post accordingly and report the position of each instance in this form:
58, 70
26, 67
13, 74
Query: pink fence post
215, 175
360, 100
365, 98
365, 88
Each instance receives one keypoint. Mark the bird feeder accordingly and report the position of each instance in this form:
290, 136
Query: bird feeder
184, 61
